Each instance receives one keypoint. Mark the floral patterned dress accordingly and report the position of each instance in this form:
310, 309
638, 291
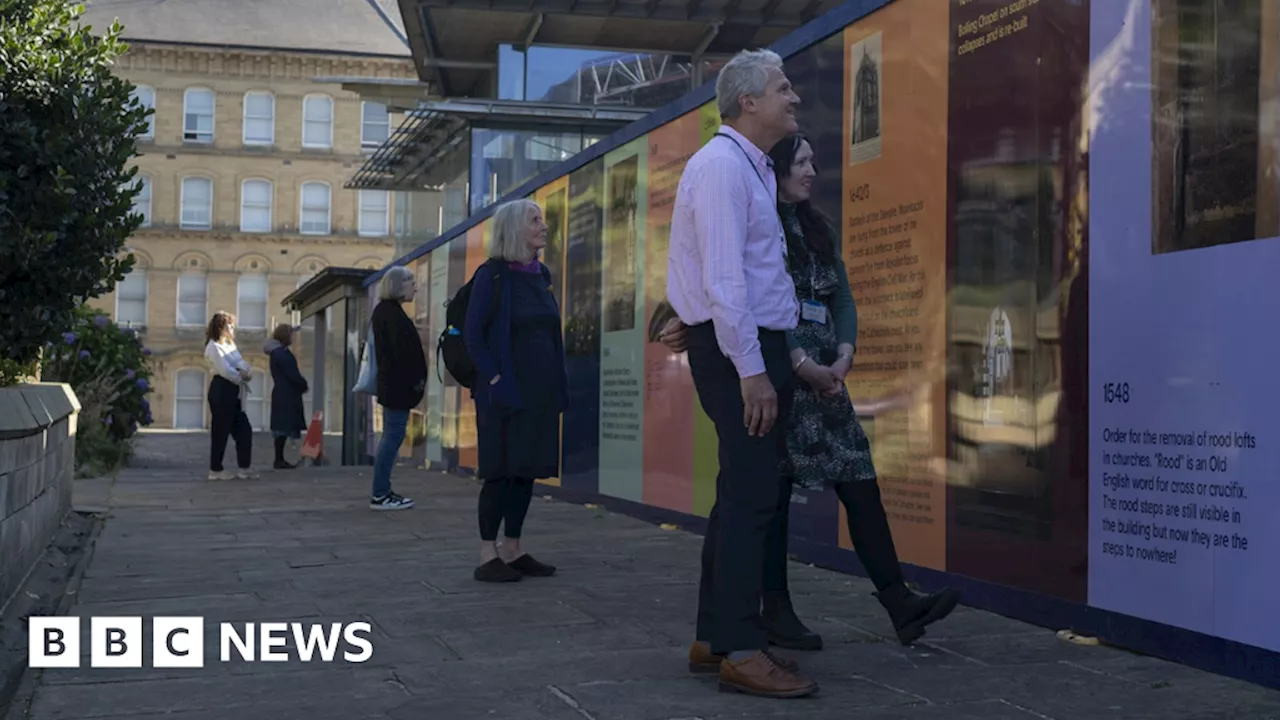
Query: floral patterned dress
826, 444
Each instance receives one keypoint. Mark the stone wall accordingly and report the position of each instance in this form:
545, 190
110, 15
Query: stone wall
37, 468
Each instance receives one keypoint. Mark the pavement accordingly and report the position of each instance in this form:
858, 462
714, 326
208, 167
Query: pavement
605, 639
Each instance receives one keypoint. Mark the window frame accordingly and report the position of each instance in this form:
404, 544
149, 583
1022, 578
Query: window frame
245, 118
177, 303
144, 181
328, 144
241, 317
137, 91
302, 208
386, 214
182, 202
146, 301
178, 397
213, 115
271, 201
364, 123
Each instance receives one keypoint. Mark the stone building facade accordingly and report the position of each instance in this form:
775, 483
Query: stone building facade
242, 175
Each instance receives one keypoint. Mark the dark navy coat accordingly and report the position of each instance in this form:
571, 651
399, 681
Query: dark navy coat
287, 388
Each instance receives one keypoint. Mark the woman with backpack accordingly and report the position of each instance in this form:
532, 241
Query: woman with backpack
513, 336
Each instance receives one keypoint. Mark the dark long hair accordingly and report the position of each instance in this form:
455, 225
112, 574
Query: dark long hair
819, 235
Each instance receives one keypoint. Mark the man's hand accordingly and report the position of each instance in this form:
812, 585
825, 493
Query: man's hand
760, 404
675, 335
821, 378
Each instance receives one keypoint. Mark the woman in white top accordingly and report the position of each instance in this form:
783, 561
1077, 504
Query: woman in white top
227, 393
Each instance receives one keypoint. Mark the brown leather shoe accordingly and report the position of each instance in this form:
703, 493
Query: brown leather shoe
702, 660
760, 675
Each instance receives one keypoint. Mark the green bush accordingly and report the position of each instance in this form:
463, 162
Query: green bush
66, 187
109, 370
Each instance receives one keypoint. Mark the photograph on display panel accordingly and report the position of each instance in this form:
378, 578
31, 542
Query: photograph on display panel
1214, 71
866, 99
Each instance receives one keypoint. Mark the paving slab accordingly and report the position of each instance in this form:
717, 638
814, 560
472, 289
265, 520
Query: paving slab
603, 640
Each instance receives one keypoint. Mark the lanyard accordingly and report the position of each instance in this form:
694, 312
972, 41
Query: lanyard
782, 236
748, 157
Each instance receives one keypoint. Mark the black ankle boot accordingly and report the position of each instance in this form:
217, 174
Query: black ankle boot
912, 612
785, 628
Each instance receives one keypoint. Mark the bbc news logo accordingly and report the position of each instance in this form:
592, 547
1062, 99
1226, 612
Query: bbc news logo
178, 642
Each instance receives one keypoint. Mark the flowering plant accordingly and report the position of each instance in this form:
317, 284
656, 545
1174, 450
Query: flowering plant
109, 369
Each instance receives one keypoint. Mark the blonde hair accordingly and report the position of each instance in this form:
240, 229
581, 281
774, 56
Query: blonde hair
510, 223
395, 284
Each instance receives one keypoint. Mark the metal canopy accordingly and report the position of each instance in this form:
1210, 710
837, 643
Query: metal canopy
406, 161
327, 287
443, 34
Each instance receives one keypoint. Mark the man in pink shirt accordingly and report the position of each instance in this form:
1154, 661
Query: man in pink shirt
727, 280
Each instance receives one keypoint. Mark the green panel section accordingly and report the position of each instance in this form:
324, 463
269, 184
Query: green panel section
622, 313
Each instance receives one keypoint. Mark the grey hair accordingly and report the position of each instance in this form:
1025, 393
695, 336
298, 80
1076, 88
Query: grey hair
507, 241
746, 74
395, 284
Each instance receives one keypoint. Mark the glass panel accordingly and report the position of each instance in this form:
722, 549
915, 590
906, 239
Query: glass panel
317, 121
315, 209
188, 406
252, 302
509, 158
376, 126
198, 116
259, 118
374, 212
192, 296
142, 201
255, 405
510, 73
255, 206
197, 203
147, 98
131, 298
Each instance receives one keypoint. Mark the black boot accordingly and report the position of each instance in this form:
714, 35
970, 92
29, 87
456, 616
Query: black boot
785, 628
912, 612
873, 542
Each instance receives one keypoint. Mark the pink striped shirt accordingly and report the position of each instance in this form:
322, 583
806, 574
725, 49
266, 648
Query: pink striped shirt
727, 261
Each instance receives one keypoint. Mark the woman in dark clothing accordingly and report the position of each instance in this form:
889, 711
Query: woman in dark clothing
826, 445
402, 378
520, 389
288, 419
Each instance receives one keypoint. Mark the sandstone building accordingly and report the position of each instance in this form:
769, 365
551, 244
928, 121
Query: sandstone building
243, 171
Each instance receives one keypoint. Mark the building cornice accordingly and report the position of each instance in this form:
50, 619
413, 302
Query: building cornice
272, 238
258, 63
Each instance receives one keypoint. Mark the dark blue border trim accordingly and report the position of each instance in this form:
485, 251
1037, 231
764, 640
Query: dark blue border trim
809, 34
1196, 650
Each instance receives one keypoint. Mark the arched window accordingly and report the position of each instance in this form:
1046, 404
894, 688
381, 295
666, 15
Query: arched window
197, 115
375, 213
146, 96
259, 118
255, 205
142, 201
197, 203
251, 301
315, 212
317, 121
131, 299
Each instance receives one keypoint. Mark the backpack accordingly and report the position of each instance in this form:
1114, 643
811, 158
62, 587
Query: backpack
451, 346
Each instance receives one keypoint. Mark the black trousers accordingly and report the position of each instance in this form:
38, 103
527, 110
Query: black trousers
229, 420
748, 491
504, 499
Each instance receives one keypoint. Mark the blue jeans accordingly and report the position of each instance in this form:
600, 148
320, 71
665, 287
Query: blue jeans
394, 425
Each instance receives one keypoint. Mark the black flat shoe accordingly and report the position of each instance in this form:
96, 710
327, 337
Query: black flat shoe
496, 571
526, 565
